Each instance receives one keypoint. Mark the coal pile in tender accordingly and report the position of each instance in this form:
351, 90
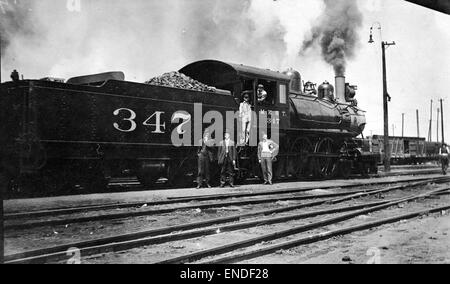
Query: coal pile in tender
181, 81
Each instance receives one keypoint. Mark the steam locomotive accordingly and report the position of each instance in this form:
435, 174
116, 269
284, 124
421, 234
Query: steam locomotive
61, 136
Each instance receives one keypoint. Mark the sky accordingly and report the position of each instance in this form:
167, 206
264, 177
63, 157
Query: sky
145, 38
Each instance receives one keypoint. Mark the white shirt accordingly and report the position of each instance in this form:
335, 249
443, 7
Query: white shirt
245, 110
227, 144
265, 147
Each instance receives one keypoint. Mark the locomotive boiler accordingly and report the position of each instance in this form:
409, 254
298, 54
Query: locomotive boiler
60, 137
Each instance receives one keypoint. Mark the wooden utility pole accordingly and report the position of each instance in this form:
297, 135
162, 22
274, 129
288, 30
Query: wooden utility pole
442, 121
418, 124
386, 98
437, 125
403, 125
430, 130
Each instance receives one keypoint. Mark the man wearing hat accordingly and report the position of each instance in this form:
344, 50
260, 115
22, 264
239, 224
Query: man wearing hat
267, 153
205, 157
227, 159
444, 151
261, 94
245, 114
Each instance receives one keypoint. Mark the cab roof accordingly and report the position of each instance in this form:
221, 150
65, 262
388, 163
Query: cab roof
212, 72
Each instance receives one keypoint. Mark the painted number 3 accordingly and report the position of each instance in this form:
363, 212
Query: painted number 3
132, 116
130, 119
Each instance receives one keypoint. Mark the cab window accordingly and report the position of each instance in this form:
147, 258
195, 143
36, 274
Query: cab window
283, 94
266, 92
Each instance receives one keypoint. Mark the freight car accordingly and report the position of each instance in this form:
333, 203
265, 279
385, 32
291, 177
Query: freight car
405, 150
73, 136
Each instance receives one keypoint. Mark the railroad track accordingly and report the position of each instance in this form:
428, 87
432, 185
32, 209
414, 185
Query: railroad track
132, 184
232, 223
174, 200
15, 221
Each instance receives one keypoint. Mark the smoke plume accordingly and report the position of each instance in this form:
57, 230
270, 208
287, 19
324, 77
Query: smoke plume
15, 19
143, 38
337, 33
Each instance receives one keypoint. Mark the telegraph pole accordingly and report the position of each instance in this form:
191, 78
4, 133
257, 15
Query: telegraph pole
387, 150
418, 124
403, 125
442, 121
437, 125
430, 130
386, 99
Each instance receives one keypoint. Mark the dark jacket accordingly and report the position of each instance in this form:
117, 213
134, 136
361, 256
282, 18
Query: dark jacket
209, 147
222, 151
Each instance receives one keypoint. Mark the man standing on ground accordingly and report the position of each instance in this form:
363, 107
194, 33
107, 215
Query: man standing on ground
227, 159
267, 153
443, 153
205, 157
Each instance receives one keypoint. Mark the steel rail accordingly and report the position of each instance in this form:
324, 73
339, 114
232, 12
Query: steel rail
289, 190
175, 200
289, 232
105, 217
322, 236
100, 243
59, 222
114, 244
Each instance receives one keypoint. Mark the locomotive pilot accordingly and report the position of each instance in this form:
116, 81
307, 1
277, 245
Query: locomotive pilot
227, 156
205, 157
267, 153
261, 94
245, 115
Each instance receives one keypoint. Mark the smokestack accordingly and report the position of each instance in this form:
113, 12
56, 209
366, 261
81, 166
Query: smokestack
340, 89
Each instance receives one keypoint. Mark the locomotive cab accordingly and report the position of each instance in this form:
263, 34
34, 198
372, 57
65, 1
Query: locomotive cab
241, 79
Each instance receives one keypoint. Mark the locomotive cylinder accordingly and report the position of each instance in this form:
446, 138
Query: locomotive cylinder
340, 89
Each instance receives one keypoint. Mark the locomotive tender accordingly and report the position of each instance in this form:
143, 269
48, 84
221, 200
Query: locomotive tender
58, 136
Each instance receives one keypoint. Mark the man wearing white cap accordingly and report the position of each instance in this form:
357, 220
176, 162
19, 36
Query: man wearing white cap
261, 94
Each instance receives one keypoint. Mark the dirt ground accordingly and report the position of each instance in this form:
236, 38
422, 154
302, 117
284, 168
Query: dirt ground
32, 204
420, 240
416, 241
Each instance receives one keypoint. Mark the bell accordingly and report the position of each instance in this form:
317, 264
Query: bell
371, 38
